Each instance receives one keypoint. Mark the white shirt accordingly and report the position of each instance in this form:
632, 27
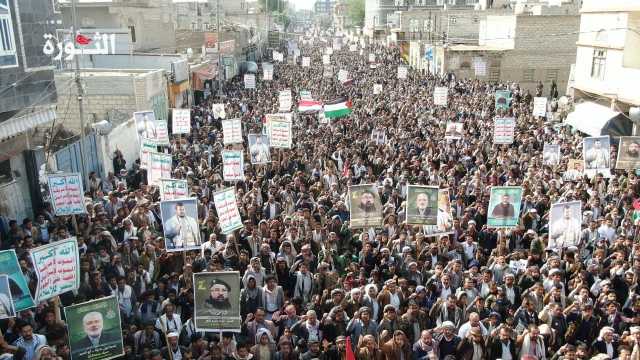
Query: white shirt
506, 351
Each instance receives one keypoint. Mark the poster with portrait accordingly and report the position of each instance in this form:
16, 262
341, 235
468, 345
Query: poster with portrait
422, 205
279, 130
18, 284
597, 156
217, 110
231, 131
95, 330
171, 189
379, 136
440, 95
565, 223
226, 205
575, 170
67, 195
365, 206
445, 216
551, 154
402, 72
377, 89
343, 76
285, 100
7, 308
454, 131
232, 165
503, 99
504, 206
306, 61
57, 267
216, 305
180, 224
540, 106
150, 128
259, 152
353, 47
628, 153
181, 121
504, 130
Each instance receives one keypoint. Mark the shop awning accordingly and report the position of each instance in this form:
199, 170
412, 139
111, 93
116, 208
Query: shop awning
594, 119
22, 123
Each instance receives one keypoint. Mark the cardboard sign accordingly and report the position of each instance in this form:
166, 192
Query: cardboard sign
441, 96
279, 130
159, 168
67, 195
57, 267
181, 121
171, 189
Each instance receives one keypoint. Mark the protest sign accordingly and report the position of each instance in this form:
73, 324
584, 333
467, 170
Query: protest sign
365, 206
565, 224
249, 81
218, 111
232, 165
353, 47
162, 132
277, 56
628, 153
402, 72
150, 128
503, 99
597, 156
259, 152
227, 208
18, 284
326, 59
284, 99
95, 329
159, 168
377, 89
504, 130
372, 58
329, 51
551, 154
231, 131
540, 106
267, 71
444, 217
7, 308
146, 148
441, 95
422, 205
454, 131
279, 130
171, 189
504, 206
343, 75
180, 224
305, 95
57, 267
306, 61
214, 309
575, 170
181, 123
67, 195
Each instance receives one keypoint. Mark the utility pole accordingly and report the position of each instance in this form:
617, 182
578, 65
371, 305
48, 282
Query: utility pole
74, 34
219, 50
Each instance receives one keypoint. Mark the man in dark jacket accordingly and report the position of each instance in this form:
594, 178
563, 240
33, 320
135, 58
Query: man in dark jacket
502, 346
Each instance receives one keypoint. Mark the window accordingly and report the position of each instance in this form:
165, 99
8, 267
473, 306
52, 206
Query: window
599, 63
528, 75
552, 75
494, 74
427, 25
475, 19
132, 29
8, 54
453, 20
452, 2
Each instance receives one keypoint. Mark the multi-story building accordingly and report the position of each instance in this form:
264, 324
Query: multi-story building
27, 97
324, 7
607, 68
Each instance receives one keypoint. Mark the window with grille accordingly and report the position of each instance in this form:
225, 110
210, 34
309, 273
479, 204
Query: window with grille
552, 75
494, 75
453, 20
598, 63
8, 55
528, 75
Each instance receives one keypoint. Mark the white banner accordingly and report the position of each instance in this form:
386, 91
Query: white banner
162, 130
267, 72
249, 81
377, 89
285, 100
146, 148
57, 267
277, 56
159, 168
504, 130
343, 75
231, 131
227, 208
218, 111
279, 130
326, 59
440, 95
67, 195
329, 51
232, 165
306, 61
181, 123
372, 58
540, 106
402, 72
172, 189
353, 47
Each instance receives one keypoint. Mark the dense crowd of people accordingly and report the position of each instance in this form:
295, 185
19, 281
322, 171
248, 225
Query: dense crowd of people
312, 285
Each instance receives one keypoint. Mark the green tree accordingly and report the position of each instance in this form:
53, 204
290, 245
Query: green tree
355, 12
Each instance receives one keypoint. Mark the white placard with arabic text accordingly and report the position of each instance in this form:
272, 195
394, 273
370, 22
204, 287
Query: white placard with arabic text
67, 195
57, 267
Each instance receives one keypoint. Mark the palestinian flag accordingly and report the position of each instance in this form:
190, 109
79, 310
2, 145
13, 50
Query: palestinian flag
309, 105
337, 108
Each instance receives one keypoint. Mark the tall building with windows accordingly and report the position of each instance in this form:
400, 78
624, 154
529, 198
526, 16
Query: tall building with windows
27, 97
